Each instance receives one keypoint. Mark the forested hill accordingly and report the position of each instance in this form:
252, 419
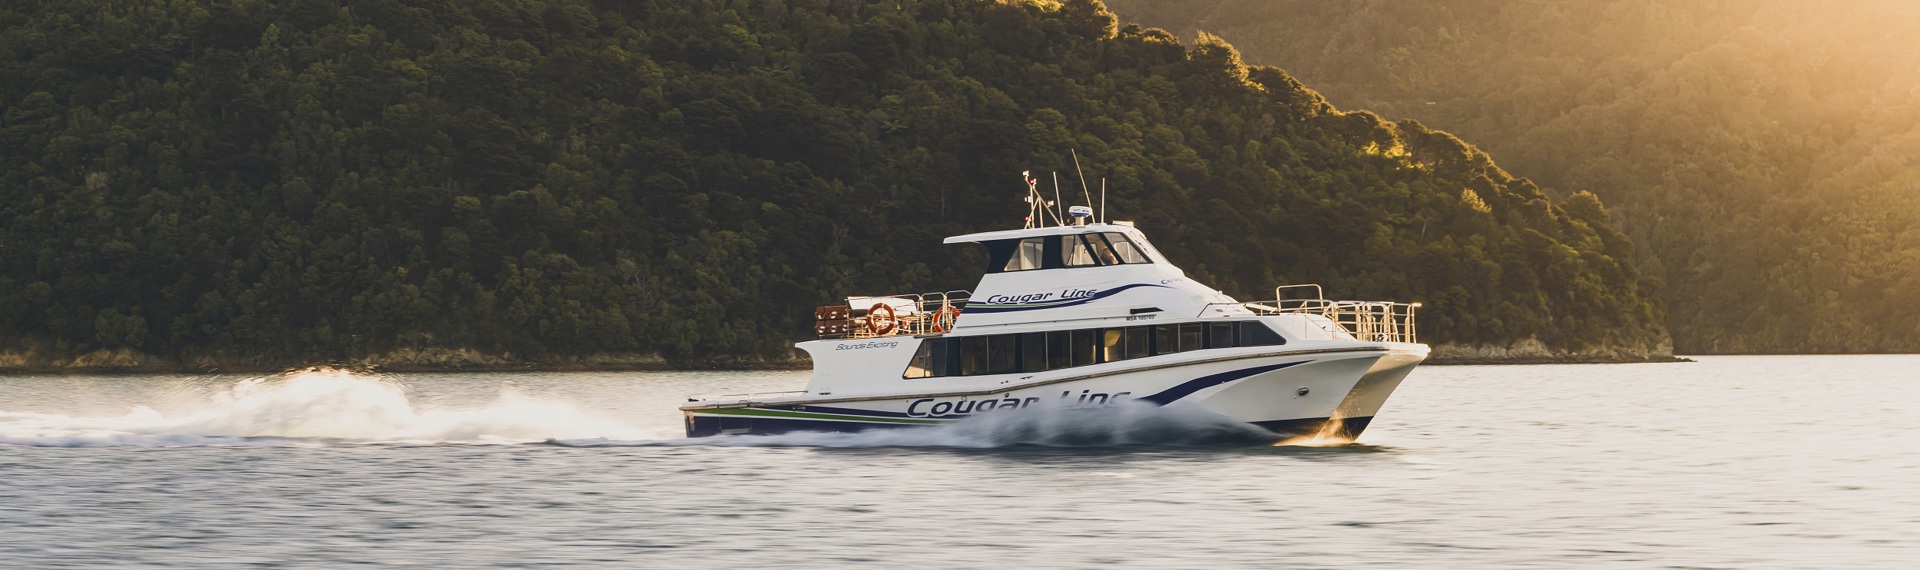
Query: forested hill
309, 180
1764, 155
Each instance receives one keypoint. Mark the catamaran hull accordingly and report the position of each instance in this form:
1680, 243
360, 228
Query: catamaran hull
1289, 394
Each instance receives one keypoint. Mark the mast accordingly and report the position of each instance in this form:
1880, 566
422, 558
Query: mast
1083, 177
1103, 199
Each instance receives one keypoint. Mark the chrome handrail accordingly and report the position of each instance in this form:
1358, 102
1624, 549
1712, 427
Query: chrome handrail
1368, 321
1318, 293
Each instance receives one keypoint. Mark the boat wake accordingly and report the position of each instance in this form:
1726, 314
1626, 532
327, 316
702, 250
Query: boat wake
312, 406
1118, 425
318, 407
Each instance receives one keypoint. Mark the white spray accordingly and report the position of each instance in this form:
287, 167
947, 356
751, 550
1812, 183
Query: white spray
316, 404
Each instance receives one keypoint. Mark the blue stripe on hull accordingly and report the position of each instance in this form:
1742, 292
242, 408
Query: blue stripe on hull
1187, 388
991, 308
704, 426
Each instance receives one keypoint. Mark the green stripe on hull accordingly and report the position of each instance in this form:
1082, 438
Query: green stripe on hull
759, 412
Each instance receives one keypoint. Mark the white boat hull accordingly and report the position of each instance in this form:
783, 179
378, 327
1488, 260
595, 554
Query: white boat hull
1292, 392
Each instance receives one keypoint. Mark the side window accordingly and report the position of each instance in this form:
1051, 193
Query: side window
1123, 344
1033, 352
934, 358
1166, 339
1138, 339
1169, 339
1001, 354
1057, 356
1124, 248
1254, 333
1220, 335
1043, 351
1113, 345
922, 364
1193, 336
1085, 347
973, 355
1026, 255
996, 354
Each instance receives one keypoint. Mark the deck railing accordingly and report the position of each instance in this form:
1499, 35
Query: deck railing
1369, 321
934, 313
891, 315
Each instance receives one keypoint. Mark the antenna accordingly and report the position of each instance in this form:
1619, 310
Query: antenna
1083, 177
1031, 206
1056, 200
1038, 208
1056, 187
1103, 199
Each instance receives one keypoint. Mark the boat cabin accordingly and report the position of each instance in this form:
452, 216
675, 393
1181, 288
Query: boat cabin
1066, 297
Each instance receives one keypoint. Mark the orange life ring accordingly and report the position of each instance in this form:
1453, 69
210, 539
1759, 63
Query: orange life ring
873, 324
938, 317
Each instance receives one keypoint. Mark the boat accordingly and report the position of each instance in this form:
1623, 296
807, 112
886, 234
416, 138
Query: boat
1085, 314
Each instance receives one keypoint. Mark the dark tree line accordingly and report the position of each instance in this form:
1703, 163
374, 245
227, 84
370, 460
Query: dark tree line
1764, 155
307, 180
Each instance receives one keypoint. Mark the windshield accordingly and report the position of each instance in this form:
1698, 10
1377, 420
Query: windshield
1110, 248
1097, 249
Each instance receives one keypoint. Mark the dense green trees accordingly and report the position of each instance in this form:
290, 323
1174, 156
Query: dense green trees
1764, 155
319, 179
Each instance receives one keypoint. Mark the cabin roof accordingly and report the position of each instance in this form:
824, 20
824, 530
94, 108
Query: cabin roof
1040, 232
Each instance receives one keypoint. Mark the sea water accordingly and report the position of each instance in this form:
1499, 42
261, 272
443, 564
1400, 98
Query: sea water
1730, 462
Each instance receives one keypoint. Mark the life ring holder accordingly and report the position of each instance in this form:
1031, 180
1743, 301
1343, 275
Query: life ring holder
942, 316
873, 324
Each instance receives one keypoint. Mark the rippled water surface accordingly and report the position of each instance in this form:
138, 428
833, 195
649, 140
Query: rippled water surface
1731, 462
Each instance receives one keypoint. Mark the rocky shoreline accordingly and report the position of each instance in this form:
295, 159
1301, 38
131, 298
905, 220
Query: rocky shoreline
1532, 351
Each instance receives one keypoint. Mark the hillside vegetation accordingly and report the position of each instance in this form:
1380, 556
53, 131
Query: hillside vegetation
1763, 155
319, 180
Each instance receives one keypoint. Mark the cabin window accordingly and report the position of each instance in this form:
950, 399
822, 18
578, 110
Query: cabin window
936, 357
1124, 249
1026, 255
1033, 352
1146, 248
1169, 339
1076, 250
1084, 346
922, 364
1057, 356
1097, 249
1043, 351
1002, 354
1166, 339
1193, 336
1220, 335
973, 355
1101, 252
1125, 343
1073, 250
996, 354
1040, 352
1255, 333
